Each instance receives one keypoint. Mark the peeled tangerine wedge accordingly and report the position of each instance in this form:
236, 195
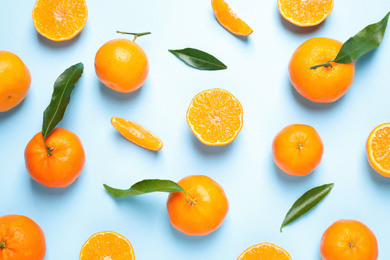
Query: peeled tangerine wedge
378, 149
137, 134
215, 117
229, 20
107, 245
264, 251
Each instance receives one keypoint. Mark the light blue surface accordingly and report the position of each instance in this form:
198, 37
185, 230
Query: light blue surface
259, 193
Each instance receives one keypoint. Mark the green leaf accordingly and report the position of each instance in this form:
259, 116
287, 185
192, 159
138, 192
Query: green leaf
199, 59
145, 186
366, 40
306, 202
63, 88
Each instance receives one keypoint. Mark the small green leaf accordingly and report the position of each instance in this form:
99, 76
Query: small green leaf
145, 186
366, 40
63, 88
306, 202
199, 59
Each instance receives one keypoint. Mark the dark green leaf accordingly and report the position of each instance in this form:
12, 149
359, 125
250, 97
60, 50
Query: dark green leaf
306, 202
63, 88
199, 59
145, 186
366, 40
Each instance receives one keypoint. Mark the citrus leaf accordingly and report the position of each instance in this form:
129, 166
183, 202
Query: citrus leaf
306, 202
63, 88
145, 186
365, 41
198, 59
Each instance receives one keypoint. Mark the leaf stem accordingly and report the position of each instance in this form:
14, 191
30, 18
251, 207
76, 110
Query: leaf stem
326, 64
136, 35
50, 150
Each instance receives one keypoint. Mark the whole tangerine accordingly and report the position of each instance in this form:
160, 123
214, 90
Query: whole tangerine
297, 149
323, 84
61, 164
204, 208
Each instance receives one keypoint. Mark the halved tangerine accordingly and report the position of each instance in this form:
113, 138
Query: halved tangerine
215, 117
264, 251
60, 20
378, 149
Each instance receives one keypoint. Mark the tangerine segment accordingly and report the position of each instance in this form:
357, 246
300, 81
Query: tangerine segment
229, 19
264, 251
107, 245
60, 20
378, 149
305, 13
137, 134
215, 117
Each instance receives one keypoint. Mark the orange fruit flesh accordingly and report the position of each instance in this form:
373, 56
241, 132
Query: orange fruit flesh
137, 134
60, 20
229, 19
305, 13
215, 116
378, 149
107, 245
264, 251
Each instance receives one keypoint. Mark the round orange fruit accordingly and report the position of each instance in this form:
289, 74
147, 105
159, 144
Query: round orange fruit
324, 84
122, 65
264, 251
204, 208
15, 80
21, 239
297, 149
58, 166
215, 117
378, 147
348, 240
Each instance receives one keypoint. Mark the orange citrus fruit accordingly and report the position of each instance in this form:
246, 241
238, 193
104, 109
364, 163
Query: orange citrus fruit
215, 117
122, 65
107, 245
204, 208
378, 149
305, 13
324, 84
15, 80
59, 166
264, 251
60, 20
137, 134
21, 239
229, 19
297, 149
348, 240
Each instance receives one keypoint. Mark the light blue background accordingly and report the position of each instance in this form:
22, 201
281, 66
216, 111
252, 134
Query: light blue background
259, 193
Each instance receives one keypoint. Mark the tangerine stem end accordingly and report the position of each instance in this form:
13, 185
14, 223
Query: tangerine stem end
136, 35
326, 64
3, 245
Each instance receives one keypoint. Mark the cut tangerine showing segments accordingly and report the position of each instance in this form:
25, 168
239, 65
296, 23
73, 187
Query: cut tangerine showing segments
107, 245
60, 20
378, 149
229, 19
215, 117
305, 13
137, 134
264, 251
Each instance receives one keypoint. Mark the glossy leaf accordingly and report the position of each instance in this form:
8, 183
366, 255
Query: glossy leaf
306, 202
199, 59
366, 40
145, 186
63, 88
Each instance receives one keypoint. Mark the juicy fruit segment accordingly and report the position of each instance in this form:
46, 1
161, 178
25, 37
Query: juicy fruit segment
305, 13
215, 117
229, 19
60, 20
137, 134
264, 251
107, 245
15, 80
378, 149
